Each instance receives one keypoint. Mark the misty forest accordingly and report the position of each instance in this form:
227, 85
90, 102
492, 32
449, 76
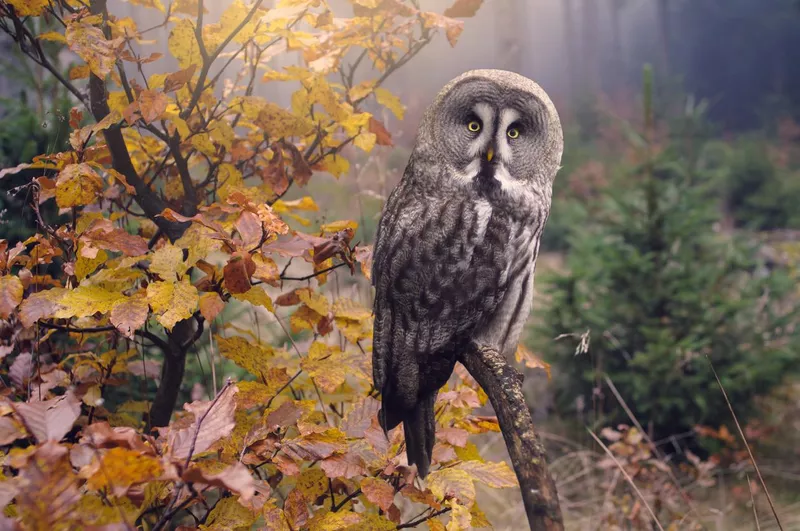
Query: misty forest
189, 195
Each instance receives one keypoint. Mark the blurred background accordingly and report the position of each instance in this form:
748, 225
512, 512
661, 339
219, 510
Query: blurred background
672, 246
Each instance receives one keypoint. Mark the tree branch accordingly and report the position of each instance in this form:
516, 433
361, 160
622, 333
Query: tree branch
503, 384
150, 203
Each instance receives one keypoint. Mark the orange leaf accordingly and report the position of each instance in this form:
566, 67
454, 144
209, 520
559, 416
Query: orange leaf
463, 8
178, 79
152, 105
382, 136
211, 305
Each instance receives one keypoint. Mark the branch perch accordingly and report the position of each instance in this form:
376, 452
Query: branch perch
503, 384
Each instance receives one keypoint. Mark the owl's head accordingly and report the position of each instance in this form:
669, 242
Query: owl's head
495, 129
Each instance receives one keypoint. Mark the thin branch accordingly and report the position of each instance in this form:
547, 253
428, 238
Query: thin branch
627, 477
503, 385
746, 444
415, 523
320, 272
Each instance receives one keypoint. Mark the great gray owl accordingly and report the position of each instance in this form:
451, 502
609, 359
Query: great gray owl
457, 242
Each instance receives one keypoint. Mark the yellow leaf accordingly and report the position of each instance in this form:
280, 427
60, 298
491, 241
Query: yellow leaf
172, 301
149, 3
91, 45
365, 141
230, 179
391, 102
460, 517
87, 300
202, 143
120, 468
183, 45
29, 8
336, 165
312, 483
314, 300
79, 72
257, 297
254, 358
53, 36
77, 185
167, 262
336, 226
222, 133
453, 483
351, 310
197, 242
230, 515
304, 203
233, 17
362, 90
11, 291
494, 475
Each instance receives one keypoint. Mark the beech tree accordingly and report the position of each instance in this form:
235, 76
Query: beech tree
171, 207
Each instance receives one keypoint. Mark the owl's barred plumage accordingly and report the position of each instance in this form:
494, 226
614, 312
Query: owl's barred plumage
456, 247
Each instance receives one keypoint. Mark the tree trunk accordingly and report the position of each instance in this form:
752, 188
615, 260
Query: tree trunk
509, 20
570, 45
618, 61
591, 42
503, 385
665, 36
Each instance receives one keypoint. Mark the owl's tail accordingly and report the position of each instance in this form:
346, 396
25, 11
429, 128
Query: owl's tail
419, 427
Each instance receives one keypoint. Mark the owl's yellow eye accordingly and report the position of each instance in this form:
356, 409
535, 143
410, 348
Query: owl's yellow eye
513, 132
474, 126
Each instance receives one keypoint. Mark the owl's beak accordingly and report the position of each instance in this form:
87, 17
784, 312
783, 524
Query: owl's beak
490, 154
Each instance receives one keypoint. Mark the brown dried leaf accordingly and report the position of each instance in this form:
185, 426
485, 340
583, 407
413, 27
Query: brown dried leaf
236, 478
50, 420
10, 431
463, 9
217, 422
378, 492
453, 436
359, 419
237, 273
102, 435
315, 446
176, 80
130, 314
347, 465
48, 488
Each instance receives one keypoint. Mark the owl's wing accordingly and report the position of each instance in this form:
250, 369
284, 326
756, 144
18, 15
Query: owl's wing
436, 276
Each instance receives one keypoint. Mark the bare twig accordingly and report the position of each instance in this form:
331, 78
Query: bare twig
628, 478
746, 444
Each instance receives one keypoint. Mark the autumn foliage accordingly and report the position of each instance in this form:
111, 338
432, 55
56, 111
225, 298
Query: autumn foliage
170, 211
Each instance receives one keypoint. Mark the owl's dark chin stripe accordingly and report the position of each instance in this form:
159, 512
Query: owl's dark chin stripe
485, 182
